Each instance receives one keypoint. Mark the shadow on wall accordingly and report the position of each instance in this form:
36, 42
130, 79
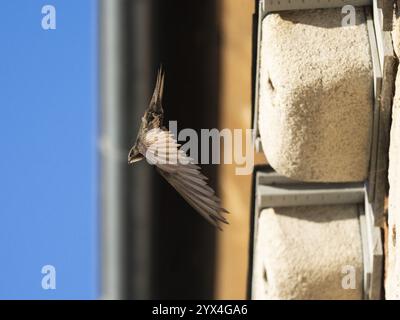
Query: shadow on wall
187, 41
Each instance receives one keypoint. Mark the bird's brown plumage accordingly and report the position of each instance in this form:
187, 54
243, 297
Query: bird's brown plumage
160, 148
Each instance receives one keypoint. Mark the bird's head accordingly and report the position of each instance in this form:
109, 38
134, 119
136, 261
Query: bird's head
134, 155
152, 118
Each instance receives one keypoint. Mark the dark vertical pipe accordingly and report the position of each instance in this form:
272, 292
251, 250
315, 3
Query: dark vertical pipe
139, 192
126, 211
112, 179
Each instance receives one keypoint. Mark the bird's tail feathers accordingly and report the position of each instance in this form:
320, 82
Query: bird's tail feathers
158, 91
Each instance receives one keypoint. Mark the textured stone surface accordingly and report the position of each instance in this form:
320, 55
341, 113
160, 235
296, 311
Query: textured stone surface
316, 95
392, 284
301, 252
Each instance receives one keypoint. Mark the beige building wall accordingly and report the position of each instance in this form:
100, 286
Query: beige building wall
392, 283
235, 112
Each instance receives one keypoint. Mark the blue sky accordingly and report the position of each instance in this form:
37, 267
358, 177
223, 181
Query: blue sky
48, 157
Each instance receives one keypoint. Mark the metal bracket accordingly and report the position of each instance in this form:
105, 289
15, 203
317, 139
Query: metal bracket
383, 8
281, 5
267, 6
377, 71
383, 99
372, 253
274, 190
383, 61
256, 132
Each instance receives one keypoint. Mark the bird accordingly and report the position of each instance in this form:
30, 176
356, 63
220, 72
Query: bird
158, 145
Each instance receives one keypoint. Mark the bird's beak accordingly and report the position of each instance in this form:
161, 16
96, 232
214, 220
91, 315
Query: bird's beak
134, 156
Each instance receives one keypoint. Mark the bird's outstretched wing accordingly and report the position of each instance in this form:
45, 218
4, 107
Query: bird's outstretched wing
178, 169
